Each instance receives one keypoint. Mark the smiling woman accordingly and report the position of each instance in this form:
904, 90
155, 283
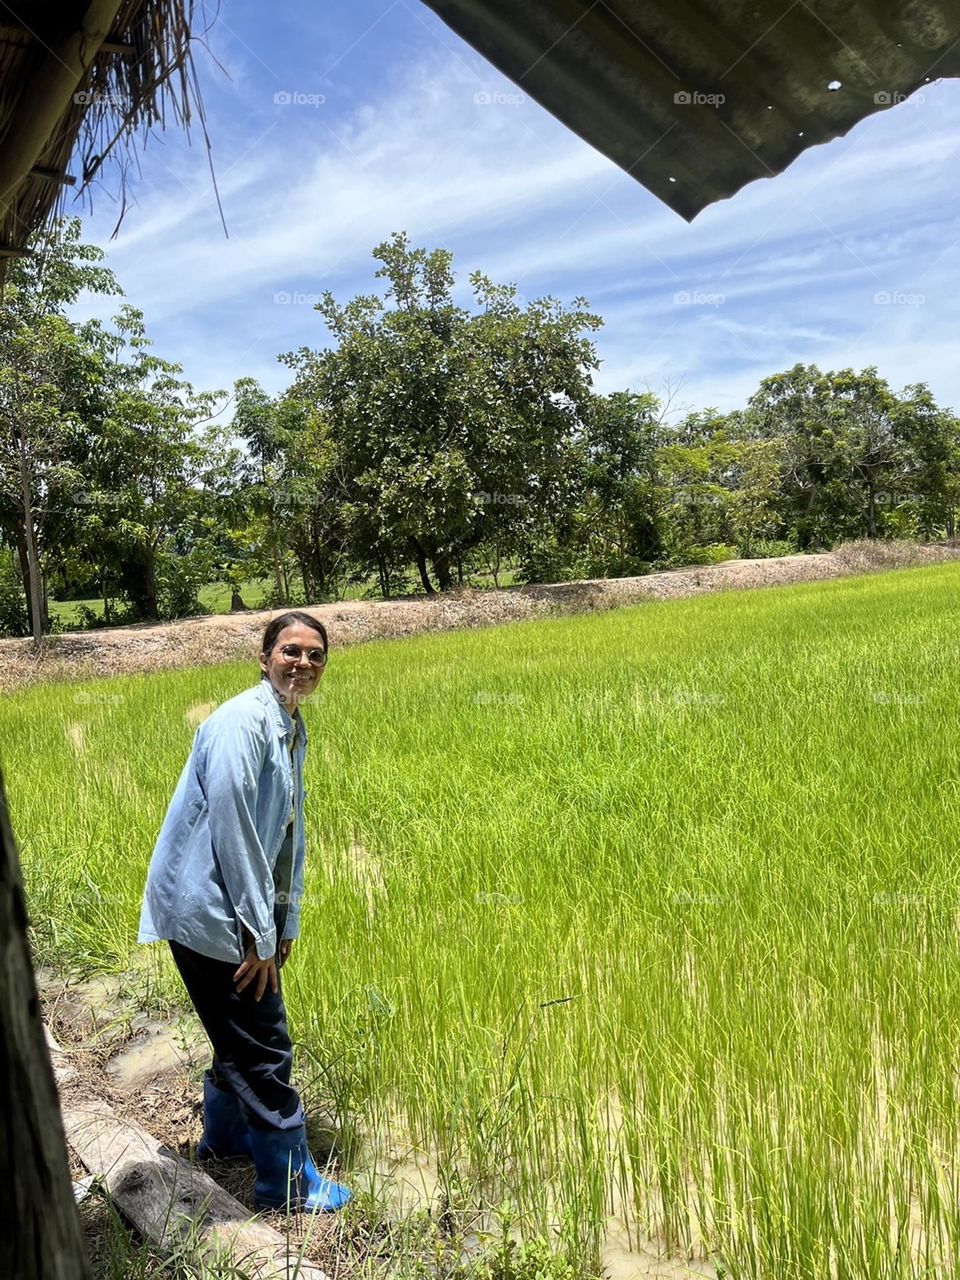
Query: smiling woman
225, 883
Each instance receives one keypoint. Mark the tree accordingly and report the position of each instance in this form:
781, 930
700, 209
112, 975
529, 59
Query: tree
455, 428
928, 485
150, 470
46, 375
622, 477
294, 483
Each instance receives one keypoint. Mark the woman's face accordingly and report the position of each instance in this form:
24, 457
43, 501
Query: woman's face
293, 681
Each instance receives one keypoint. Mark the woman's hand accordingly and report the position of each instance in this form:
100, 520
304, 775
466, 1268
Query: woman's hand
285, 946
263, 971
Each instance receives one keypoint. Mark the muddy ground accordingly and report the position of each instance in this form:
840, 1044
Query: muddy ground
193, 642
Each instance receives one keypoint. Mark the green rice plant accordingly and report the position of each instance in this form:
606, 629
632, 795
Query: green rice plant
642, 920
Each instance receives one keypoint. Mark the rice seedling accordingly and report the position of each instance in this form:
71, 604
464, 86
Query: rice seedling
646, 919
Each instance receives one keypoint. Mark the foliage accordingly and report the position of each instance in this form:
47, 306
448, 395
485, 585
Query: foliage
433, 436
454, 427
13, 601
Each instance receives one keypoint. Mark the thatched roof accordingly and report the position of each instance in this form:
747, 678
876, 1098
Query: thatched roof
640, 80
80, 78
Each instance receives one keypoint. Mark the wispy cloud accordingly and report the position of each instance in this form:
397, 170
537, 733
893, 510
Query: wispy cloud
440, 145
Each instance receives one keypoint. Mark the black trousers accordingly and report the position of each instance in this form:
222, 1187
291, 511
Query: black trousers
252, 1054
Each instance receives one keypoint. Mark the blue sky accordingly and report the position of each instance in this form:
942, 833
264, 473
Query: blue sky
394, 123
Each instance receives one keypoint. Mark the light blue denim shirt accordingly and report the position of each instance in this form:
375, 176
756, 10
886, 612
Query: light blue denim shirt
212, 868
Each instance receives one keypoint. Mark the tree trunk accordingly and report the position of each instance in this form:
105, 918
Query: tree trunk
42, 1239
421, 560
32, 583
24, 571
44, 602
150, 583
441, 567
278, 581
305, 578
384, 577
494, 563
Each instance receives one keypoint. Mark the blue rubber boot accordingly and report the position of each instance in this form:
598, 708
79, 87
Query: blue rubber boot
226, 1134
287, 1178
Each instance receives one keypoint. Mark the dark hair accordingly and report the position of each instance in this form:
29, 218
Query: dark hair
276, 625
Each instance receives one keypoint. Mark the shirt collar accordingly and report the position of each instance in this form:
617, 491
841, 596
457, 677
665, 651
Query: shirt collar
285, 723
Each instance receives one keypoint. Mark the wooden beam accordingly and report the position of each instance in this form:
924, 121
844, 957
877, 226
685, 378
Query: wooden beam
50, 93
164, 1196
118, 46
16, 251
53, 175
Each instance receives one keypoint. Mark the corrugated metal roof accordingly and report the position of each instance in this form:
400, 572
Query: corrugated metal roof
695, 98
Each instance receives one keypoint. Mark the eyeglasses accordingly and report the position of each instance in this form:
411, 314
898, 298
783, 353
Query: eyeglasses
293, 653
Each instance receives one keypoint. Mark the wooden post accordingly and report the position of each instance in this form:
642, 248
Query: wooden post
42, 1239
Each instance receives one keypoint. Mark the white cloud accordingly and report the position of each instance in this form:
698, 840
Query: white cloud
307, 192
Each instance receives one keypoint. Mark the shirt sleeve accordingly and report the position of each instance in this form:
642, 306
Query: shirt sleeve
233, 761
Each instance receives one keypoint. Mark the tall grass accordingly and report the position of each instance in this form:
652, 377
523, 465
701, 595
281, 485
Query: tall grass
651, 915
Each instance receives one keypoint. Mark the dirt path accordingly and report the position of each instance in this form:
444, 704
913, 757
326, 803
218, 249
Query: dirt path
194, 642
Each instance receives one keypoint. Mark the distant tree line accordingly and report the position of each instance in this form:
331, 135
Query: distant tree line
430, 441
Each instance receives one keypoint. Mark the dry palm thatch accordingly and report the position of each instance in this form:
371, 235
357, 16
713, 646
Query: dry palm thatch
82, 79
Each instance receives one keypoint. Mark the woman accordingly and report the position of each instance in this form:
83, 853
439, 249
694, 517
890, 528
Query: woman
224, 888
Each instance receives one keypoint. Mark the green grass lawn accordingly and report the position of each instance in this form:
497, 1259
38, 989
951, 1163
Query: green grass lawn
649, 915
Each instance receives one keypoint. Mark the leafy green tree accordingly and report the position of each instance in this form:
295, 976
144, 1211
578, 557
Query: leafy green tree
47, 375
623, 508
294, 484
927, 486
456, 428
151, 471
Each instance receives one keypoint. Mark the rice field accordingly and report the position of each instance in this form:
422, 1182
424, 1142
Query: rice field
639, 927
